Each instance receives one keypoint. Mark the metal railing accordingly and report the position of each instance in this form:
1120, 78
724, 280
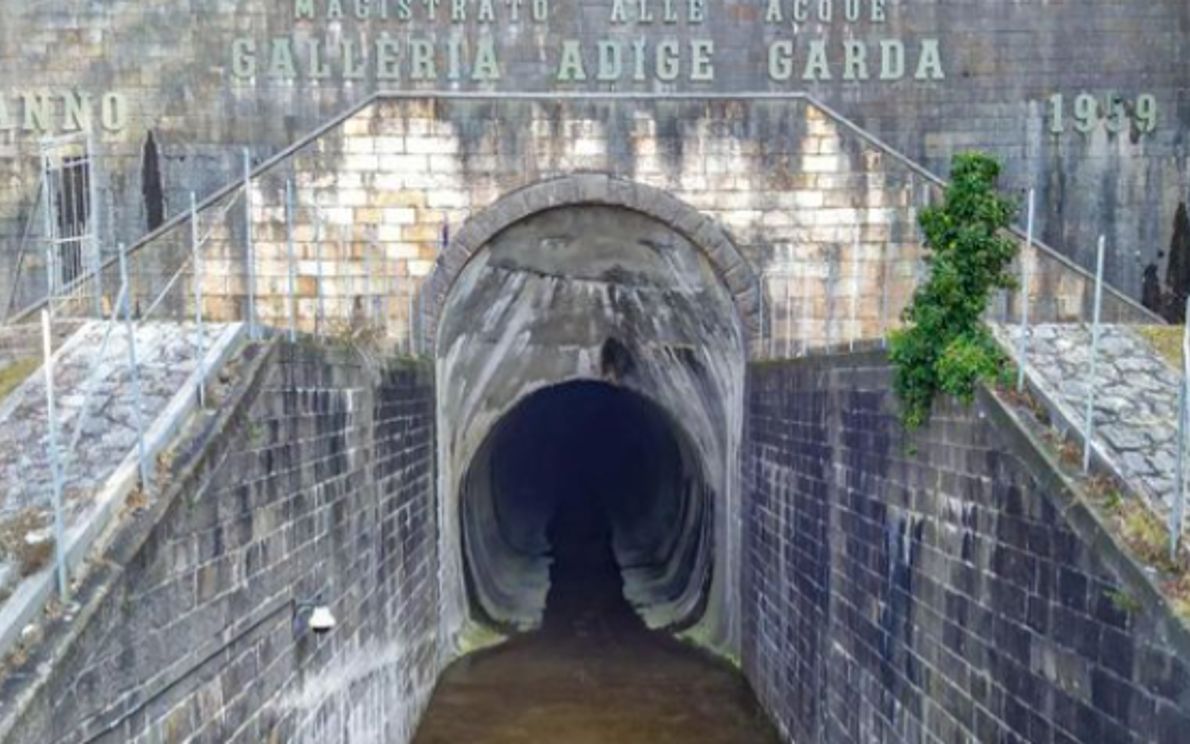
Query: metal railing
67, 206
1177, 514
1118, 304
176, 271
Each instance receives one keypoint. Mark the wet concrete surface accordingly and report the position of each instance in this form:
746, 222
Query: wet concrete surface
593, 674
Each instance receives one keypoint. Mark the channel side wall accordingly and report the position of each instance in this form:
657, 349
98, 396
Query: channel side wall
944, 586
314, 481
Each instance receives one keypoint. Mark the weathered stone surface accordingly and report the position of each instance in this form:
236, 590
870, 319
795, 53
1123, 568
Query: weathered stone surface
1136, 399
367, 237
938, 587
167, 355
1002, 65
320, 486
545, 303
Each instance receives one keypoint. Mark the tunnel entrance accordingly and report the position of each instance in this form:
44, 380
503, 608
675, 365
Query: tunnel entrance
598, 306
595, 485
585, 499
590, 371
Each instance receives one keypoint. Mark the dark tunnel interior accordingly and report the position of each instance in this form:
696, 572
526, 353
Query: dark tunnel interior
585, 493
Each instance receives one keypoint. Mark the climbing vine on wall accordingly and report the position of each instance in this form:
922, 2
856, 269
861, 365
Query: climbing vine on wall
945, 347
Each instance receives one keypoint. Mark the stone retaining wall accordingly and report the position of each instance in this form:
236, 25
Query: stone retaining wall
942, 587
800, 215
317, 484
174, 67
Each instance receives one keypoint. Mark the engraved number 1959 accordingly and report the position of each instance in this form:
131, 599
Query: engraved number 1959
1087, 110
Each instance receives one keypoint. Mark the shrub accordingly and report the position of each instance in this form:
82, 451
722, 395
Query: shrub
945, 346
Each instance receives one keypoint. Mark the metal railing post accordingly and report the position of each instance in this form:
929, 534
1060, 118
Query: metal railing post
54, 455
410, 322
762, 335
854, 289
832, 279
344, 259
369, 269
199, 334
1022, 355
1091, 379
320, 317
1177, 514
134, 375
774, 318
386, 304
885, 278
51, 263
787, 277
423, 344
92, 217
292, 268
249, 254
803, 312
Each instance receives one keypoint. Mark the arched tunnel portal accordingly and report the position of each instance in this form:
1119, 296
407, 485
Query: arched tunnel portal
590, 354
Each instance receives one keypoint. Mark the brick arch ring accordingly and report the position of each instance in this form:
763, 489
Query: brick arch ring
603, 190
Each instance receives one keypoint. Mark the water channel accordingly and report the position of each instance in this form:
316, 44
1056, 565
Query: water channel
593, 673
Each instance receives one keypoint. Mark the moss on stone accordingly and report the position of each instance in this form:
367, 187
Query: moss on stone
1165, 340
15, 373
477, 637
1147, 539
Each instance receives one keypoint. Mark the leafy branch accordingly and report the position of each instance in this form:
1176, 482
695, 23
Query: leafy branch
945, 347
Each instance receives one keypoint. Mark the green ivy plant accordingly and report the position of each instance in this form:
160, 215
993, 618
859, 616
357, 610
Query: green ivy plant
945, 347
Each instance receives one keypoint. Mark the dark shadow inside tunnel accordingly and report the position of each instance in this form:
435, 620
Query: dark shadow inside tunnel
588, 494
585, 583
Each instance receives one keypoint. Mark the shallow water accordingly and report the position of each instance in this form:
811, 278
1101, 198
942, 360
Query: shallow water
593, 674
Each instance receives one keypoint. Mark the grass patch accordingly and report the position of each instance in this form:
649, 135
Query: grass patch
1147, 538
1124, 602
14, 374
1145, 533
1165, 340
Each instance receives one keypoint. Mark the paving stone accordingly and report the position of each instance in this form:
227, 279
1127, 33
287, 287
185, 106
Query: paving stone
1136, 398
1124, 437
167, 355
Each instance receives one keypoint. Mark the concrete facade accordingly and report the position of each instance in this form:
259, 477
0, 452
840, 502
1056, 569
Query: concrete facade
204, 79
947, 587
317, 485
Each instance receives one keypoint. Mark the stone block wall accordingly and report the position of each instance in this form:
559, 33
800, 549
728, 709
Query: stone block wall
826, 218
945, 587
317, 485
173, 65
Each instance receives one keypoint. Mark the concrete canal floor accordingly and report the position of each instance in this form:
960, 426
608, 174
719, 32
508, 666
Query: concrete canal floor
593, 674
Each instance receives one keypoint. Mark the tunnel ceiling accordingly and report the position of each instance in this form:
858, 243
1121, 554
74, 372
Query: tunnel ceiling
593, 293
